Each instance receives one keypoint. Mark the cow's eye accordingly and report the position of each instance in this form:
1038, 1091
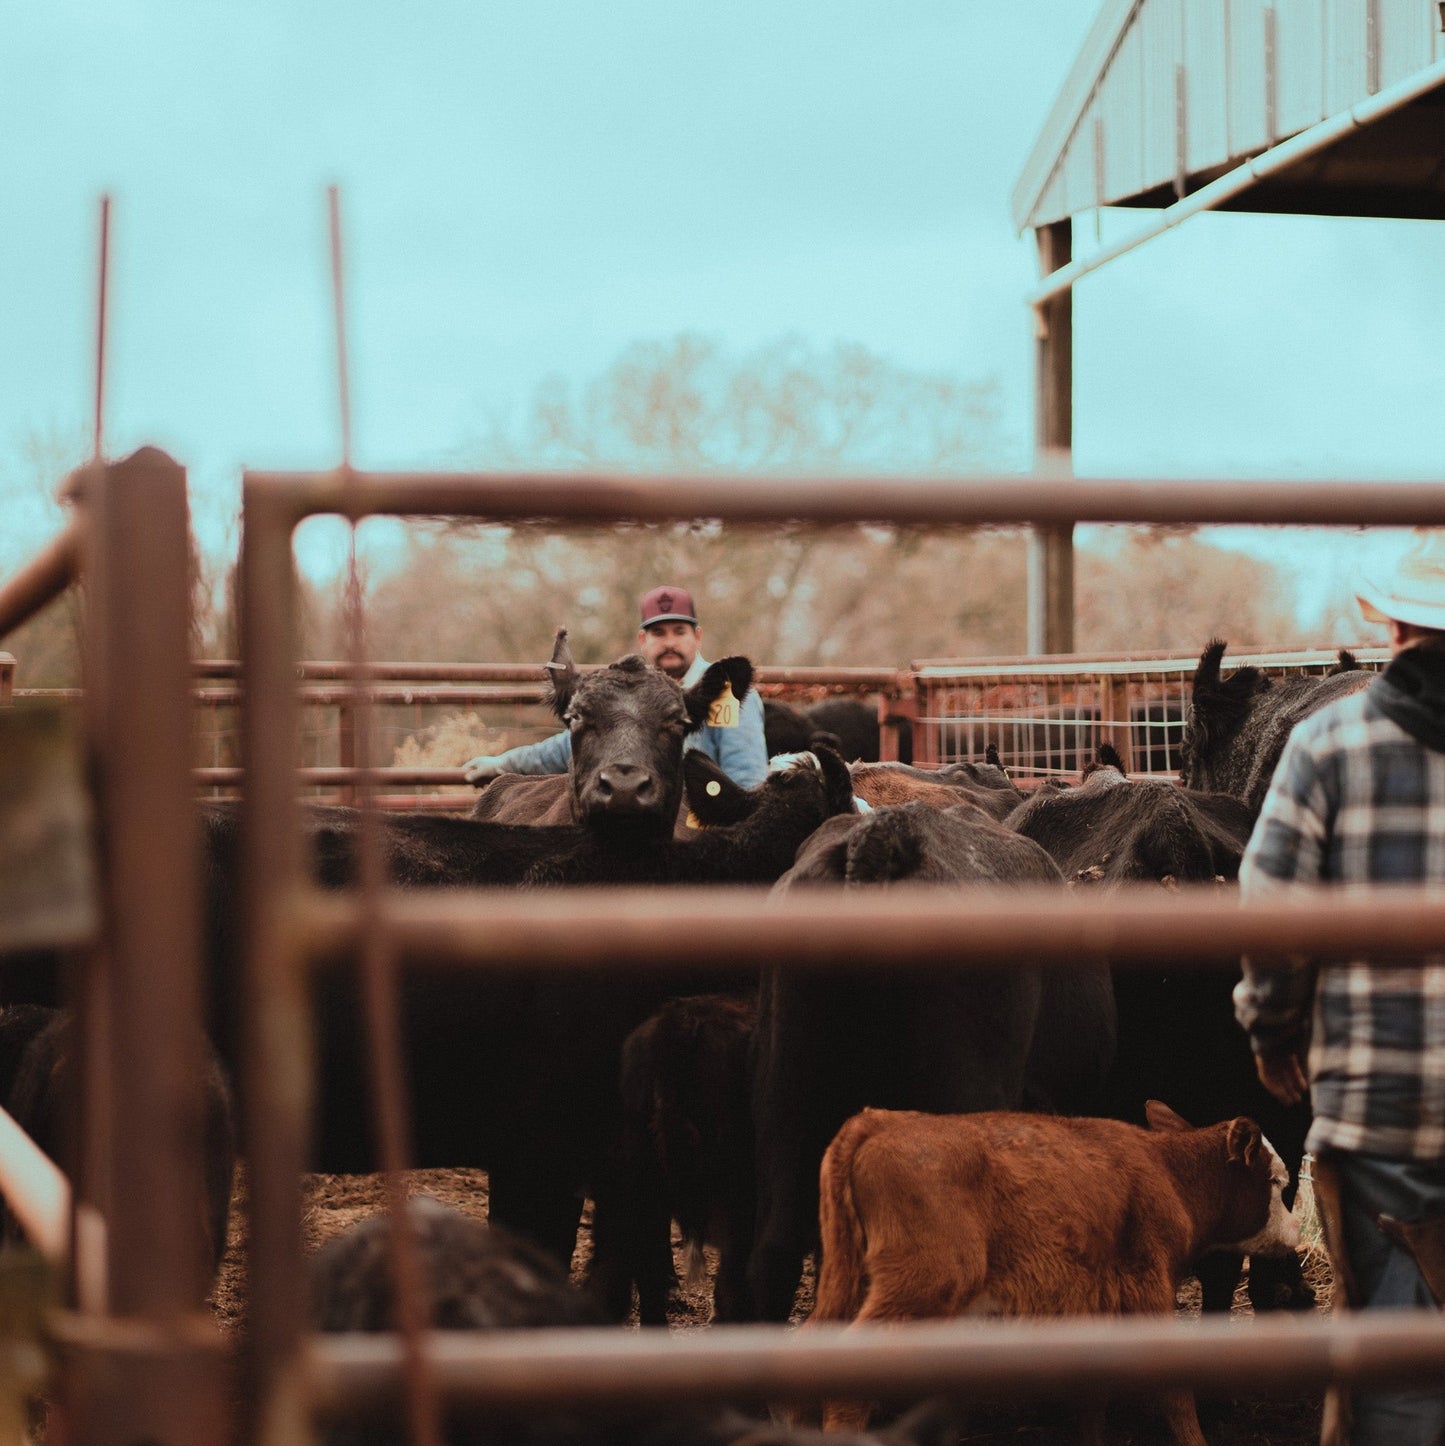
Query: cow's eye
576, 722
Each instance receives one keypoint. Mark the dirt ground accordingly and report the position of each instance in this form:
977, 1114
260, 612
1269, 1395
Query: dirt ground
334, 1202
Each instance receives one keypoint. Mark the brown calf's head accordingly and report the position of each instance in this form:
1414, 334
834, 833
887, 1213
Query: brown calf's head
1251, 1217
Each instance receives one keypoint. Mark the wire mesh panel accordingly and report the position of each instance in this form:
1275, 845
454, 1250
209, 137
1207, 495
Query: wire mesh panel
1047, 717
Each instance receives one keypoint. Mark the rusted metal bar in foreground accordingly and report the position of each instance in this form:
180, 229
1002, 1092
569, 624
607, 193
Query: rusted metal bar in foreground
276, 1018
993, 1360
998, 501
610, 929
41, 580
235, 777
142, 1000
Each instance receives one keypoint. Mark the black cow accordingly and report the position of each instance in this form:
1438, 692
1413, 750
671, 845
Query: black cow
786, 729
853, 722
1178, 1039
686, 1154
39, 1085
1238, 726
941, 1041
516, 1072
480, 1278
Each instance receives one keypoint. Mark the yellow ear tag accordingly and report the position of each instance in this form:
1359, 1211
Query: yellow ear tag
725, 709
692, 820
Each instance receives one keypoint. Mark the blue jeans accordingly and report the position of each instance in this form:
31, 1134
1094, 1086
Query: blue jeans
1387, 1278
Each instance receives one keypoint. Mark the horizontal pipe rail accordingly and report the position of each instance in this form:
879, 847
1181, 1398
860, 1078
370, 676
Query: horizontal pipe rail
613, 929
41, 580
478, 673
1068, 1359
319, 695
1002, 500
235, 777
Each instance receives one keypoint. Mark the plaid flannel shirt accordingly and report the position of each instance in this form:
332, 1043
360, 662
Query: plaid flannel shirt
1356, 799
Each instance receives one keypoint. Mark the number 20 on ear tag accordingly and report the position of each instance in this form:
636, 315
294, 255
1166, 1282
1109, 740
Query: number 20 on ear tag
725, 709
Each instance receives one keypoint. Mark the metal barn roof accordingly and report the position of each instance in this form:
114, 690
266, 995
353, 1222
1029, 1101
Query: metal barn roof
1168, 95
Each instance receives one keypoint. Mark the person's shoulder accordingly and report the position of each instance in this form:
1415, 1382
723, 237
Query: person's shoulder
1347, 722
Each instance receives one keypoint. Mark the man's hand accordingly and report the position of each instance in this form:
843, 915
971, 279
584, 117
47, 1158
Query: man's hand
482, 769
1283, 1076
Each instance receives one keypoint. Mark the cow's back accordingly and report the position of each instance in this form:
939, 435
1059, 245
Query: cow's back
1011, 1213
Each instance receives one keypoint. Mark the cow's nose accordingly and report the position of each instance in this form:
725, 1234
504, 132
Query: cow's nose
626, 788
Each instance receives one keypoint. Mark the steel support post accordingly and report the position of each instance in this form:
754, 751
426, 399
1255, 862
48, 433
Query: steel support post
1051, 549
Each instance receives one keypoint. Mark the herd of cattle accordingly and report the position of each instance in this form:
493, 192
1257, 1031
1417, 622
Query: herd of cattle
719, 1109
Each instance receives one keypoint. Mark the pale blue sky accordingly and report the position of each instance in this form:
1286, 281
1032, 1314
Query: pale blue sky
528, 187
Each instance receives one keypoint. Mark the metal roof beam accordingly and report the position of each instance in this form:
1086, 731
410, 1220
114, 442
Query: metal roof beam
1268, 163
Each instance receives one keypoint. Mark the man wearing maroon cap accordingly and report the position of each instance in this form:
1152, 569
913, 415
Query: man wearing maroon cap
669, 638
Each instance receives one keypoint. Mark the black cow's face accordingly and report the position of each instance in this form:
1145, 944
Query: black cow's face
627, 723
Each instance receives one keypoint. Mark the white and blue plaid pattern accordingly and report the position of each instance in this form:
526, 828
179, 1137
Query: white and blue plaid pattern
1355, 800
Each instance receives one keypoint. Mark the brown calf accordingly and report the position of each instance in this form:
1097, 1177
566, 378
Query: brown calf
999, 1213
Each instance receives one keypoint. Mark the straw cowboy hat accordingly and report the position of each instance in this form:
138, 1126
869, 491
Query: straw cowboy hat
1413, 591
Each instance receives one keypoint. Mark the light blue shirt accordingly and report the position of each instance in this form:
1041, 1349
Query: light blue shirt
740, 751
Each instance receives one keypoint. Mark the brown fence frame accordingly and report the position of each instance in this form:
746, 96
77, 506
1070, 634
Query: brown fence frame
149, 1370
291, 927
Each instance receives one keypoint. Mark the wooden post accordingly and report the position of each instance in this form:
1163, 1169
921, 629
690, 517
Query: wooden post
1051, 550
7, 677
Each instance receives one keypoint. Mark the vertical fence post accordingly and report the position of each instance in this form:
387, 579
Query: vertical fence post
150, 1117
346, 746
1114, 726
277, 1066
927, 743
7, 678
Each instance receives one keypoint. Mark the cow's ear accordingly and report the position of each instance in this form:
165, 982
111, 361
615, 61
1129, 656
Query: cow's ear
734, 673
713, 797
837, 780
1162, 1118
1206, 675
561, 673
1242, 1140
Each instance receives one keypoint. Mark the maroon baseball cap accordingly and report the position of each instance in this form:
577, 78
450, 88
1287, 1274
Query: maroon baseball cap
668, 605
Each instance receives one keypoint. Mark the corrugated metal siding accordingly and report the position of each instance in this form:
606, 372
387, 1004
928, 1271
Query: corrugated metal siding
1204, 63
1347, 62
1159, 44
1120, 103
1406, 35
1322, 67
1301, 31
1245, 92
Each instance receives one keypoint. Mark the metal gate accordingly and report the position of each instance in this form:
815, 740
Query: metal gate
1046, 716
139, 1367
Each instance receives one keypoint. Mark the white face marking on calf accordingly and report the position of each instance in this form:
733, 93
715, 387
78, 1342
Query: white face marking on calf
794, 762
1280, 1232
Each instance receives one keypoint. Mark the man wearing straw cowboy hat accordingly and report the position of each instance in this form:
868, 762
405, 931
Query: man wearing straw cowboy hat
670, 638
1359, 797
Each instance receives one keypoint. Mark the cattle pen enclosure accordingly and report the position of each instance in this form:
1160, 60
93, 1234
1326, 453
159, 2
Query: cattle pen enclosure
1046, 716
135, 1363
